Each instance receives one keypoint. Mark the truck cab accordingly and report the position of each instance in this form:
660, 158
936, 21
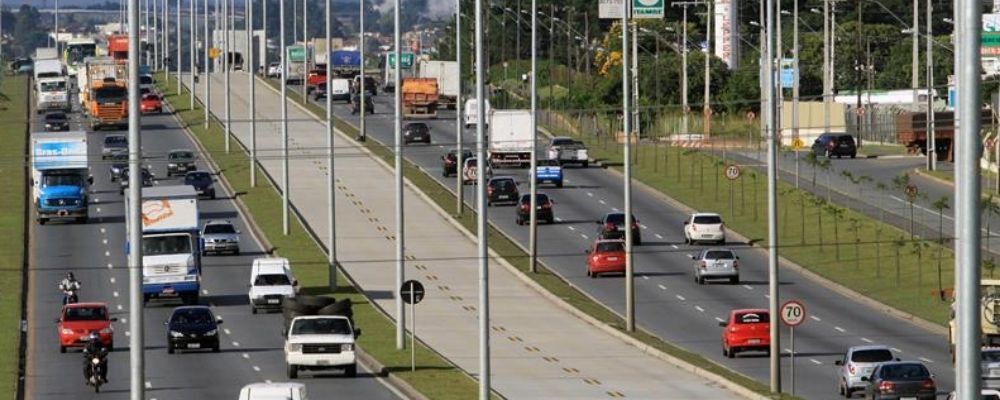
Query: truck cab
989, 290
52, 94
171, 244
472, 113
321, 342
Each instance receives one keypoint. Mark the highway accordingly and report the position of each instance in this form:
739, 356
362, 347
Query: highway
251, 344
669, 303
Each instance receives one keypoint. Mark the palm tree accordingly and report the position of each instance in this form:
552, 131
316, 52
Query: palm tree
881, 212
918, 248
940, 205
827, 167
819, 203
812, 161
878, 251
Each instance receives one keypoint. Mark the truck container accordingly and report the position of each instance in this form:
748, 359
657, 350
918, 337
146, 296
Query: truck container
447, 75
345, 63
989, 306
510, 138
118, 47
51, 68
911, 131
297, 56
420, 97
60, 175
171, 247
104, 92
46, 53
322, 49
389, 69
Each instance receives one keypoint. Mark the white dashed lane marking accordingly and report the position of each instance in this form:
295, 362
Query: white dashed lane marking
245, 355
699, 308
658, 236
256, 368
839, 329
115, 293
866, 340
815, 318
602, 202
590, 194
226, 330
674, 246
119, 307
107, 253
571, 228
895, 350
720, 319
105, 241
681, 298
815, 361
110, 266
112, 279
926, 360
748, 287
583, 236
103, 230
662, 287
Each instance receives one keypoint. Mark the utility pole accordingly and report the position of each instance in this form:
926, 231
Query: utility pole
684, 61
772, 195
400, 231
636, 120
915, 39
305, 46
931, 146
517, 39
284, 118
533, 220
55, 36
552, 39
706, 107
179, 48
208, 69
826, 67
253, 89
192, 34
795, 85
482, 247
137, 359
858, 118
165, 36
627, 160
361, 92
227, 23
459, 182
331, 177
264, 62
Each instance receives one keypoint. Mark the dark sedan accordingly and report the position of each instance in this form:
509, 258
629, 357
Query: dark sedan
56, 121
416, 132
900, 380
192, 328
612, 226
202, 182
450, 161
543, 211
119, 163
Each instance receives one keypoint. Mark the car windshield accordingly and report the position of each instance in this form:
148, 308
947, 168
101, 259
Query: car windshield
163, 245
417, 127
150, 97
321, 326
272, 280
610, 246
55, 117
616, 218
62, 180
541, 197
116, 141
719, 255
110, 94
198, 316
562, 141
707, 219
752, 318
86, 314
871, 356
503, 184
180, 155
905, 371
845, 139
991, 356
52, 86
219, 229
197, 178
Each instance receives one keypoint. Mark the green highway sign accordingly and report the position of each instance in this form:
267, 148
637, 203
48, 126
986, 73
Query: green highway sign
407, 60
296, 54
990, 39
647, 8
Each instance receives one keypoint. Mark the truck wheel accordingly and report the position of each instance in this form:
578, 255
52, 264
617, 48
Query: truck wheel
293, 372
41, 221
253, 310
351, 370
559, 184
586, 164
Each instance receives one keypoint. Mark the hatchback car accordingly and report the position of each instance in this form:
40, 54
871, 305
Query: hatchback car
202, 182
470, 170
746, 330
114, 144
56, 121
605, 257
543, 211
613, 225
416, 132
501, 189
151, 103
78, 320
147, 179
900, 380
220, 236
119, 162
356, 104
835, 144
704, 227
450, 161
192, 328
716, 264
180, 162
859, 361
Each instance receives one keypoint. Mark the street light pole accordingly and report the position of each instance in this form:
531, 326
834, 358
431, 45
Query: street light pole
482, 247
795, 85
284, 119
226, 24
706, 106
826, 66
208, 68
305, 46
627, 160
915, 39
931, 145
398, 105
331, 177
533, 221
137, 359
363, 134
772, 206
179, 48
192, 34
459, 181
253, 88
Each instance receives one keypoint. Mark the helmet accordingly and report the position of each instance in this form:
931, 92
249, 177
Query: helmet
69, 275
94, 336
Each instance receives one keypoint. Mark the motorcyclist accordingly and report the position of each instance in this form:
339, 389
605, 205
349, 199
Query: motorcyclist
95, 348
69, 285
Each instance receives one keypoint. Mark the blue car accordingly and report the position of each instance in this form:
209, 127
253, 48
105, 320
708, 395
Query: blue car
549, 171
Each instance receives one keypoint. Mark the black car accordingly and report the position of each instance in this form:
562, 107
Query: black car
501, 189
416, 132
180, 162
147, 179
202, 182
450, 161
56, 121
835, 144
119, 162
900, 380
612, 226
356, 104
542, 213
192, 328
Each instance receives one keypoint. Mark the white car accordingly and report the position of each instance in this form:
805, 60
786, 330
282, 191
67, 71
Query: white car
858, 362
471, 168
271, 282
321, 342
274, 391
704, 227
274, 69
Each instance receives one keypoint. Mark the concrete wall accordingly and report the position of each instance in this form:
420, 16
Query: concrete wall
811, 121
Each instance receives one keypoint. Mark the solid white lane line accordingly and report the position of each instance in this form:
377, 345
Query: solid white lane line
748, 287
658, 236
699, 308
926, 360
815, 318
662, 287
815, 361
681, 298
895, 350
839, 329
866, 340
571, 228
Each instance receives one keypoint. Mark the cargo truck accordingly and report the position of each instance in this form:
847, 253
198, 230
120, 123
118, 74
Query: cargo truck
103, 93
60, 176
989, 312
345, 63
46, 53
447, 75
51, 94
171, 246
420, 97
389, 69
510, 138
118, 47
911, 131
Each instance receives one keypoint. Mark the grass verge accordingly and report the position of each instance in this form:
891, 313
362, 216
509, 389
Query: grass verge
13, 109
434, 377
515, 255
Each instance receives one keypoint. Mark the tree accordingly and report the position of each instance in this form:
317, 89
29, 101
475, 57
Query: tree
837, 213
898, 244
918, 248
902, 183
856, 228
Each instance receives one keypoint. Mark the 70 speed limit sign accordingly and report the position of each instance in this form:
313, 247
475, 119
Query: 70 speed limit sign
793, 313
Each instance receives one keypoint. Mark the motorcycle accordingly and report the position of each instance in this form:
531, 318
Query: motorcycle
94, 372
70, 297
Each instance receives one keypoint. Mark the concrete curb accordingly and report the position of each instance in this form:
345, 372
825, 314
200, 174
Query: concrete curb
927, 176
404, 388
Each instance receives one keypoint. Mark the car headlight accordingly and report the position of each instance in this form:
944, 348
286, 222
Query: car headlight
172, 165
106, 331
176, 334
293, 347
212, 332
347, 347
65, 331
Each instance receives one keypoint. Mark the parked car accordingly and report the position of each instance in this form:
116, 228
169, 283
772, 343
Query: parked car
543, 211
151, 103
613, 225
470, 170
220, 236
192, 328
273, 391
501, 189
900, 380
858, 362
416, 132
203, 183
56, 121
716, 263
704, 227
180, 162
450, 161
78, 320
606, 257
835, 144
114, 144
356, 104
119, 162
746, 330
123, 181
271, 282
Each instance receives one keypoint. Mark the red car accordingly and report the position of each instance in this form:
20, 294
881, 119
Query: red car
77, 321
150, 103
747, 329
606, 256
315, 78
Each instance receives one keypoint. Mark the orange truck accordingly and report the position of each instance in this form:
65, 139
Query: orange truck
118, 47
420, 97
103, 92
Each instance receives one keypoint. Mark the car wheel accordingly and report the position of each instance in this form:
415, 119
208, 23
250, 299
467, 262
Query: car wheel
236, 252
518, 221
170, 348
62, 349
848, 393
293, 371
734, 280
700, 280
351, 370
215, 349
586, 164
722, 242
41, 221
559, 184
732, 353
725, 353
549, 221
253, 310
853, 155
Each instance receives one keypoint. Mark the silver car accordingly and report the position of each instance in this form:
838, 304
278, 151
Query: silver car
114, 145
858, 362
716, 263
991, 367
220, 237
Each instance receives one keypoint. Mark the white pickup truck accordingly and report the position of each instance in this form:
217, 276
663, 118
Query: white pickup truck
321, 342
567, 150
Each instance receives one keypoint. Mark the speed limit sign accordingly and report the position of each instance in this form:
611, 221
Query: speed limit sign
733, 172
793, 313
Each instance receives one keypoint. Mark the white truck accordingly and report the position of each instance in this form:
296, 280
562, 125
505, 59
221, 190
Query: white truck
567, 150
321, 342
46, 53
447, 74
510, 138
389, 67
50, 68
60, 176
52, 94
171, 255
471, 115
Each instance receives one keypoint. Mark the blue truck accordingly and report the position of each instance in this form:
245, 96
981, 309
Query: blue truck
60, 175
549, 171
345, 62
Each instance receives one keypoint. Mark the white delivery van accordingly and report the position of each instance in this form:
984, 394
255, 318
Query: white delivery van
274, 391
340, 89
271, 282
471, 112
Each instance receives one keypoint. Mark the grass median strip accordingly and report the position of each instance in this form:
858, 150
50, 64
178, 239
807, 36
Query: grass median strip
13, 109
434, 377
514, 254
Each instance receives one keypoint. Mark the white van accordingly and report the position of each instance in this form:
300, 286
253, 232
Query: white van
340, 89
274, 391
271, 282
471, 112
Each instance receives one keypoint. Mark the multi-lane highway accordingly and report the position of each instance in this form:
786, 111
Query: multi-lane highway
251, 344
669, 303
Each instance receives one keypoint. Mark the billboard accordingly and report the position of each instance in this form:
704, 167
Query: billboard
647, 9
610, 9
406, 57
726, 32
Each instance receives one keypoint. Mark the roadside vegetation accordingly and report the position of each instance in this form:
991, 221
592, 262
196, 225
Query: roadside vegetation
14, 127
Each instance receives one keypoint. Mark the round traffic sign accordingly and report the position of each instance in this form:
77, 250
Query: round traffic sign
412, 290
793, 313
733, 172
751, 115
911, 190
860, 111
